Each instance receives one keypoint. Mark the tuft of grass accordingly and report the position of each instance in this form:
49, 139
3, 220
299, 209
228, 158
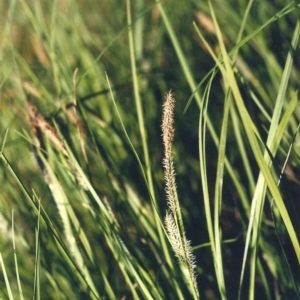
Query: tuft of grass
89, 204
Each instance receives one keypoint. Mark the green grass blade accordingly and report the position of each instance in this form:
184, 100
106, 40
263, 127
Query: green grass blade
16, 260
218, 194
261, 188
142, 128
8, 287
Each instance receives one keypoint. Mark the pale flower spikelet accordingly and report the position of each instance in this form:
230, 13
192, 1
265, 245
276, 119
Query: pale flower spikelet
168, 136
173, 219
40, 127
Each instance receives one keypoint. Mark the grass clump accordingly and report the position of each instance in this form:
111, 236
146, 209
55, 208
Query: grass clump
89, 204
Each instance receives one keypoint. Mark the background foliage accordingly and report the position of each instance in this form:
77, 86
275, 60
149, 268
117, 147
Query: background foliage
90, 224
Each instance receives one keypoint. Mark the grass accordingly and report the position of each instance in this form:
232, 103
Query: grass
149, 150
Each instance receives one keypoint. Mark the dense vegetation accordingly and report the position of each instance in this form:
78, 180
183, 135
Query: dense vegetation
149, 150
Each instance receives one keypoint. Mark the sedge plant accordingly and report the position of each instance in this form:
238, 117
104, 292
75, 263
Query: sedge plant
89, 204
